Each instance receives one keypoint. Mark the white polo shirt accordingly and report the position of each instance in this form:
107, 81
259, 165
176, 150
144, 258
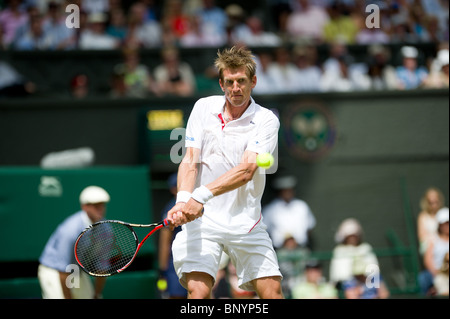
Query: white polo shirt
222, 147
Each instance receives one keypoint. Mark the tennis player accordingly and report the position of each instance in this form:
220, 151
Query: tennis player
219, 181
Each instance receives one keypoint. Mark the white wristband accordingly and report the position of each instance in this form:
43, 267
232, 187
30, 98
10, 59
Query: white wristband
202, 194
183, 196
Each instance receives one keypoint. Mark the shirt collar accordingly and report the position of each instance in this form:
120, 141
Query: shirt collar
249, 111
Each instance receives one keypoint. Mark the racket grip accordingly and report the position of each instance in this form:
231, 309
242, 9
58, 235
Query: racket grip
165, 222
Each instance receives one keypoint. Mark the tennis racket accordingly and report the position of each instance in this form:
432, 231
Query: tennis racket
108, 247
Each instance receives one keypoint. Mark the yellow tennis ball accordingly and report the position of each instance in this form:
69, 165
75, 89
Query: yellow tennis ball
264, 160
161, 284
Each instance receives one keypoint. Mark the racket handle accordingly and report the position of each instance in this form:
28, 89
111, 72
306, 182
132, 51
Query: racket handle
165, 223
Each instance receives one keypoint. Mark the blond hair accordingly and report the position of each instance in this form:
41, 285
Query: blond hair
234, 58
424, 205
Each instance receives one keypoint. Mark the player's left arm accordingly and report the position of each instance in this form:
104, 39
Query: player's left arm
235, 177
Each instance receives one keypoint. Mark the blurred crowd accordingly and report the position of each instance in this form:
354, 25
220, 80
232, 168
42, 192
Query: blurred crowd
284, 34
109, 24
354, 271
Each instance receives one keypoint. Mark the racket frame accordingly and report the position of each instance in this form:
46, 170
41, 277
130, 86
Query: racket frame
157, 226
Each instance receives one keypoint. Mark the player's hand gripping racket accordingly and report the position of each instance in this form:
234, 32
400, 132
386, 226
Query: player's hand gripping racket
108, 247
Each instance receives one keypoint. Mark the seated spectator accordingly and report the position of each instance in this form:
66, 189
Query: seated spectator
309, 75
253, 34
340, 26
147, 33
307, 22
12, 17
95, 6
382, 75
35, 37
287, 216
117, 26
440, 78
173, 76
441, 280
79, 86
177, 20
314, 285
95, 36
55, 26
266, 83
137, 79
213, 21
410, 75
435, 253
346, 78
283, 72
197, 37
350, 246
368, 36
427, 225
366, 283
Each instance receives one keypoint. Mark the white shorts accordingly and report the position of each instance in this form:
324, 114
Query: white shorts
198, 248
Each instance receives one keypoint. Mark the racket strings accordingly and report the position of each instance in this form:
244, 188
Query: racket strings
105, 248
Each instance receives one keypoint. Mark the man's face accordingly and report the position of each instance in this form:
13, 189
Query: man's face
237, 86
96, 212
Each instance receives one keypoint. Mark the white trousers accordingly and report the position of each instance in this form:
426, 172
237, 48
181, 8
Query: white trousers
81, 286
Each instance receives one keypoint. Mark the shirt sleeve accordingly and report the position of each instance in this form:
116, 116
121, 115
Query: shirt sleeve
194, 128
265, 138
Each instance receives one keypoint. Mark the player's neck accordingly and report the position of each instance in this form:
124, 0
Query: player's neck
232, 112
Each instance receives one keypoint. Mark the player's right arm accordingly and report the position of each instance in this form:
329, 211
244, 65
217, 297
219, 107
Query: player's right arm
187, 175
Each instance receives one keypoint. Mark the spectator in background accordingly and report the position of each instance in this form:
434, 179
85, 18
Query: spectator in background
94, 37
147, 33
350, 247
177, 20
314, 285
117, 26
55, 26
137, 78
35, 37
197, 37
213, 21
79, 86
361, 286
434, 255
266, 83
173, 76
58, 253
309, 75
441, 280
367, 36
307, 22
346, 78
341, 26
282, 71
289, 222
166, 237
95, 6
427, 225
382, 74
410, 75
11, 19
287, 216
235, 23
253, 34
438, 77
